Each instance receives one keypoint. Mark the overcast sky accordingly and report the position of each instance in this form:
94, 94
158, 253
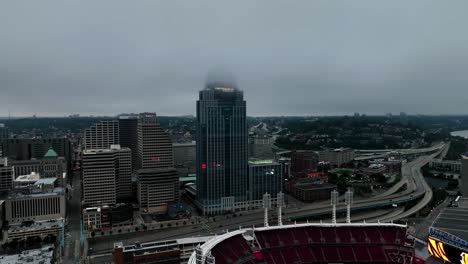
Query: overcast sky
296, 57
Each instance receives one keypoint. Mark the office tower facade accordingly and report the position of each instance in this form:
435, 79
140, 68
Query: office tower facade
157, 180
154, 145
128, 135
464, 176
6, 175
123, 174
222, 151
265, 176
4, 132
185, 157
106, 175
156, 188
260, 147
101, 135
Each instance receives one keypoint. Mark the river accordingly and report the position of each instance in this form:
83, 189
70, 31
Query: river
460, 133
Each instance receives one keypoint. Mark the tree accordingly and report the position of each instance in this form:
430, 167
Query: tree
332, 178
452, 184
380, 178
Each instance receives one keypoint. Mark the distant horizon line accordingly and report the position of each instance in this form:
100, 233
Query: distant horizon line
192, 115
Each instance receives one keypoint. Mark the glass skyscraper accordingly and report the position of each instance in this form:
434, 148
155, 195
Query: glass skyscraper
222, 150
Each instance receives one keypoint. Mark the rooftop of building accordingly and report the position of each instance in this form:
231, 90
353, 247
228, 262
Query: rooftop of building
51, 153
185, 144
152, 170
48, 181
314, 186
187, 179
128, 116
37, 225
17, 193
32, 177
43, 255
376, 166
111, 149
262, 162
224, 86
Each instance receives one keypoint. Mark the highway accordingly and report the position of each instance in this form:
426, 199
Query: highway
381, 153
411, 176
416, 189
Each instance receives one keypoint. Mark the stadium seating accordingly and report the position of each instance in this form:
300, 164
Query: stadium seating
318, 244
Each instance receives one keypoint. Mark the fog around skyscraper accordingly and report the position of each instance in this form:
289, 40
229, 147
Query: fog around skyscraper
305, 58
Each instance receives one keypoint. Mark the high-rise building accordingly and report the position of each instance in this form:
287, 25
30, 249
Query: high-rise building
157, 180
101, 135
4, 132
154, 145
464, 176
106, 175
260, 147
265, 176
128, 135
222, 151
156, 188
6, 175
123, 164
185, 157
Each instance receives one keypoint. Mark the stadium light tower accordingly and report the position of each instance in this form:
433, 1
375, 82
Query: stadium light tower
349, 201
334, 202
266, 206
210, 259
280, 205
199, 255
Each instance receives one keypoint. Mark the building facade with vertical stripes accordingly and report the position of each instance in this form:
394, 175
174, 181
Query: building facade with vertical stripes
34, 199
35, 207
106, 175
128, 135
101, 135
222, 149
157, 182
6, 175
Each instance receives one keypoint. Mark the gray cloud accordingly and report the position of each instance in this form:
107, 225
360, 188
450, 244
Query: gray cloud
290, 57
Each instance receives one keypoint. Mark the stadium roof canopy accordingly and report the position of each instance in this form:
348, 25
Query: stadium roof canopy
453, 220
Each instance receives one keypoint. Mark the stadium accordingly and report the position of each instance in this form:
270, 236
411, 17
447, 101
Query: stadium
309, 243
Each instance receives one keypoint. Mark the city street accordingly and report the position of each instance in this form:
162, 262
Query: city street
72, 237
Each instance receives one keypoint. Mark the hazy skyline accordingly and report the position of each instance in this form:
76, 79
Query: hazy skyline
289, 57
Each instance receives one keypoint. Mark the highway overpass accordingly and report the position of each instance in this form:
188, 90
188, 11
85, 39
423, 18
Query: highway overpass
416, 190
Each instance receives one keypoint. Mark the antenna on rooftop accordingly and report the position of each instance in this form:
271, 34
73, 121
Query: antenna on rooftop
349, 201
266, 206
280, 204
334, 202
